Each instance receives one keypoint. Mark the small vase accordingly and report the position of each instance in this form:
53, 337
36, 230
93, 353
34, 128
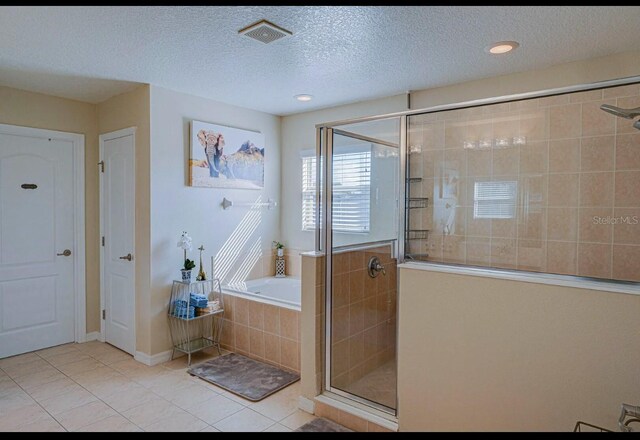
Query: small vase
280, 252
186, 275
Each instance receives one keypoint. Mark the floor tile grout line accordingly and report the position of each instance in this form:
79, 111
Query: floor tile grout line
270, 426
42, 407
211, 424
81, 386
158, 396
116, 411
246, 407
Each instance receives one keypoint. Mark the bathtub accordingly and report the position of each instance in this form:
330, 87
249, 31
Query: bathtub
262, 320
282, 292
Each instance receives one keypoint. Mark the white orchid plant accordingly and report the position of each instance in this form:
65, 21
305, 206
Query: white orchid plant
185, 243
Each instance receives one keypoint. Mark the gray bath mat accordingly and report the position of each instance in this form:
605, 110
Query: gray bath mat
253, 380
322, 425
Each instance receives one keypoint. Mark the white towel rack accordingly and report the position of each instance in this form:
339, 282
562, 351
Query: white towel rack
270, 204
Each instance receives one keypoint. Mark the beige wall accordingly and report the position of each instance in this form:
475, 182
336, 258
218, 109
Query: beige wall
132, 109
483, 354
18, 107
616, 66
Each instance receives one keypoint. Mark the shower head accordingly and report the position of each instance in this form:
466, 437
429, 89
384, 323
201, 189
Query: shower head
636, 124
621, 112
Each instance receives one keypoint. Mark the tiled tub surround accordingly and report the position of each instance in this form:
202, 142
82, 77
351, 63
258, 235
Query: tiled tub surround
364, 324
574, 170
260, 331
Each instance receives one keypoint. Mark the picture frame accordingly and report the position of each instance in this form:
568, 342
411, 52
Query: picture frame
225, 157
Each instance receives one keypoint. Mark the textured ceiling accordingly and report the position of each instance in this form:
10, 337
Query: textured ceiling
337, 54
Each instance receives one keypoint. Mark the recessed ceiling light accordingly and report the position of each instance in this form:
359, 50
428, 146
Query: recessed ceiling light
502, 47
303, 97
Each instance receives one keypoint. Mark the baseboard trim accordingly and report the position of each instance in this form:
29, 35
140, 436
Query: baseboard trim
93, 336
154, 359
306, 405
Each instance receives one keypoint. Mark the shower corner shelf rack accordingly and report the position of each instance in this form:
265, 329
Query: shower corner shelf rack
417, 234
410, 233
417, 202
190, 334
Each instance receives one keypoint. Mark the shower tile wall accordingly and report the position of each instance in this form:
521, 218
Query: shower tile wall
364, 315
573, 170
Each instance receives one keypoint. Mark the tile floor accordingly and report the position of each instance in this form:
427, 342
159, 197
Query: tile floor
96, 387
379, 385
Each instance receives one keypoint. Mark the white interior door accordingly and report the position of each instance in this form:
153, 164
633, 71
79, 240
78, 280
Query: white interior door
37, 298
118, 220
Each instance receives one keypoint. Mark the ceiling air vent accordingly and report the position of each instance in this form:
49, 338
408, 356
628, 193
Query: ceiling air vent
264, 31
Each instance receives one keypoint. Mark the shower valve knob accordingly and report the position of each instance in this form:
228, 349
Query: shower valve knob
375, 267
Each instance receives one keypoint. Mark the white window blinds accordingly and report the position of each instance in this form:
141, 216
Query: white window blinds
495, 199
308, 193
351, 192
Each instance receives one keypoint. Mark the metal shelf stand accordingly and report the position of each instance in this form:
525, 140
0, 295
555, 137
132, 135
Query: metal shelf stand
190, 334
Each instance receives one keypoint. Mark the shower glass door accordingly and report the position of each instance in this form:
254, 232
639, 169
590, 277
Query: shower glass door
363, 225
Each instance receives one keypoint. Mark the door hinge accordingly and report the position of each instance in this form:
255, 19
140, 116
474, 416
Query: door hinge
103, 240
101, 164
104, 314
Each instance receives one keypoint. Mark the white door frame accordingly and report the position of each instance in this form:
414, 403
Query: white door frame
107, 137
79, 273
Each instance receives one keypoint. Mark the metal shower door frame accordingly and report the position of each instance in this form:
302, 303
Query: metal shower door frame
324, 234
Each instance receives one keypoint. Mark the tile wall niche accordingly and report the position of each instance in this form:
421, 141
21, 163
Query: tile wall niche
575, 175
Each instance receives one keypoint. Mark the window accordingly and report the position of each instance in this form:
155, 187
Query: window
308, 193
494, 199
351, 192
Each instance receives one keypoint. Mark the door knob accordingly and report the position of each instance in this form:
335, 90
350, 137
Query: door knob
128, 257
64, 253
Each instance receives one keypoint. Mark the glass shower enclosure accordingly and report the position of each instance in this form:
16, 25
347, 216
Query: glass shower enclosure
541, 181
359, 217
